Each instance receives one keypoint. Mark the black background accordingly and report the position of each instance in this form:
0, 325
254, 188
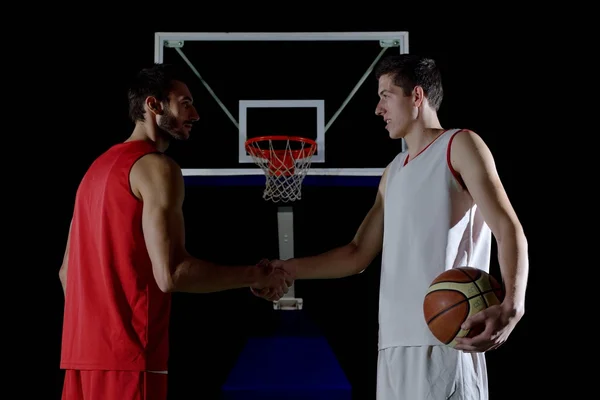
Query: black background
78, 95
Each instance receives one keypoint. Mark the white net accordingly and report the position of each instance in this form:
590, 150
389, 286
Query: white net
285, 162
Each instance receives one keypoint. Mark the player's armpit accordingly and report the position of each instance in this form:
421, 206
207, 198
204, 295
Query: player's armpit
472, 159
62, 273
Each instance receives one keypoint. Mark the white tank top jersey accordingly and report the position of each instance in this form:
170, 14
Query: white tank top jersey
431, 224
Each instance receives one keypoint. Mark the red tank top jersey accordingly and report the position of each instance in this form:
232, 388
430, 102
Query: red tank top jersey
115, 316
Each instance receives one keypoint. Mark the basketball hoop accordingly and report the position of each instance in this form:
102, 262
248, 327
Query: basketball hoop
285, 160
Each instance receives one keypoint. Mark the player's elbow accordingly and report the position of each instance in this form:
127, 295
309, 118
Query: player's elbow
360, 257
166, 287
164, 280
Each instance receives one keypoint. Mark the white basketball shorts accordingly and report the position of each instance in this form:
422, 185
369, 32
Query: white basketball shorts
431, 373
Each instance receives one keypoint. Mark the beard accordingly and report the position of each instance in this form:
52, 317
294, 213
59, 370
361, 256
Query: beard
169, 126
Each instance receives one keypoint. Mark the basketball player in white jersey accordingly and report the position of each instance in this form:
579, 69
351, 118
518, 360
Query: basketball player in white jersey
440, 202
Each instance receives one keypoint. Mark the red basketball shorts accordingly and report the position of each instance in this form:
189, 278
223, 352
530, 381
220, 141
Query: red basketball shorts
113, 385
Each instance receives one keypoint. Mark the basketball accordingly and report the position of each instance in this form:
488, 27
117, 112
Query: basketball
454, 296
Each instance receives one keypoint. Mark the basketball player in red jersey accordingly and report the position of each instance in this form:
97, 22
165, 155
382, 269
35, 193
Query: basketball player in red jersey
443, 201
126, 254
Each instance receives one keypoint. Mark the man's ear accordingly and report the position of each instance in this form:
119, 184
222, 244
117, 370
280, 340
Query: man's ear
418, 96
154, 106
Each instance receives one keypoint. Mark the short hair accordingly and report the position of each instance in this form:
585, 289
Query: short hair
409, 70
155, 81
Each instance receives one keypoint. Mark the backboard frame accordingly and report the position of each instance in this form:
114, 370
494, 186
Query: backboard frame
176, 40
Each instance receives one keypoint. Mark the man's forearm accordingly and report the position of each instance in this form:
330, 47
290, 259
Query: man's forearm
514, 266
337, 263
199, 276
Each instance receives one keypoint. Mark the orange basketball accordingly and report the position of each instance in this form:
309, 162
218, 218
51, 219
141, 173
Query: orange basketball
455, 295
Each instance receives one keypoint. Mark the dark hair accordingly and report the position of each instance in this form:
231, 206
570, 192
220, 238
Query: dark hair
409, 70
155, 81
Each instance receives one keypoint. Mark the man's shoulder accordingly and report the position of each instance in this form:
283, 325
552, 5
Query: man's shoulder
157, 167
463, 134
159, 160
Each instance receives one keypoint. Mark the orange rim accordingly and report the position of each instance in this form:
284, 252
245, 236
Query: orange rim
267, 153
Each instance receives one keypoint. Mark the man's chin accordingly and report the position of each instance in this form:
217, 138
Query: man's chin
180, 136
396, 134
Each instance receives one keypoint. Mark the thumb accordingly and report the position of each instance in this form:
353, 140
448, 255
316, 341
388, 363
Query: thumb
258, 292
475, 319
263, 262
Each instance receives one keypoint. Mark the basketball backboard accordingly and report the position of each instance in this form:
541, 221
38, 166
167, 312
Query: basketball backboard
314, 85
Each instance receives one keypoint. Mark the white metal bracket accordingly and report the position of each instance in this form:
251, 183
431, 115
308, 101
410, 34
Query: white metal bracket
389, 43
286, 303
174, 44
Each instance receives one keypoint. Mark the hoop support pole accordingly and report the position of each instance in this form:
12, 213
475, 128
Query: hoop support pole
285, 226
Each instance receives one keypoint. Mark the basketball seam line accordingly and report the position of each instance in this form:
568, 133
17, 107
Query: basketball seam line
480, 294
479, 274
460, 302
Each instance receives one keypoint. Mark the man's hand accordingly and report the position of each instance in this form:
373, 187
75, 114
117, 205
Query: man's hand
497, 322
280, 270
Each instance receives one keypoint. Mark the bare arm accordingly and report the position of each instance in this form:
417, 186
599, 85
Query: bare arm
62, 273
352, 258
472, 159
158, 182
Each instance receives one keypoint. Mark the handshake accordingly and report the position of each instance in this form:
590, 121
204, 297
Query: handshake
274, 279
